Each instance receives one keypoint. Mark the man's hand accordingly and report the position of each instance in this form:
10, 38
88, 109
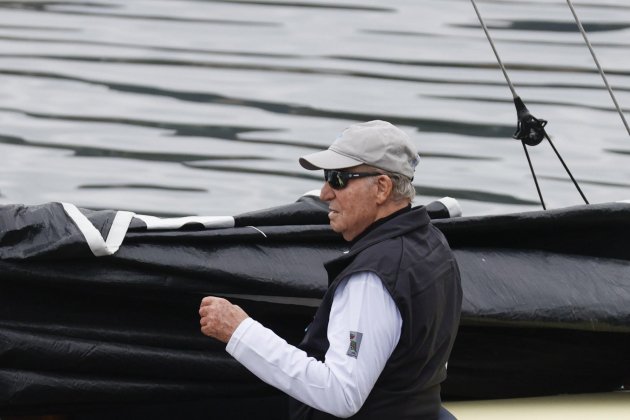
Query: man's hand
219, 318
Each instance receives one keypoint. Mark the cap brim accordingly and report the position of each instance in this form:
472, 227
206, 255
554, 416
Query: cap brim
327, 159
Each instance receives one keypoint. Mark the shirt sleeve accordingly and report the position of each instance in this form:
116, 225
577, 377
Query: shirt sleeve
363, 330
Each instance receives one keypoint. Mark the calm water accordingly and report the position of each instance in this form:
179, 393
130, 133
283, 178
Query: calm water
203, 107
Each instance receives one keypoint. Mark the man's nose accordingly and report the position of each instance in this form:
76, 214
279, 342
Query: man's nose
326, 193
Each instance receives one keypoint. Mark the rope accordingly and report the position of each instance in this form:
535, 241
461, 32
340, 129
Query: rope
601, 71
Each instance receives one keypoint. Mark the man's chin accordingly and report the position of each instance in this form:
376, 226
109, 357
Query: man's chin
335, 227
342, 232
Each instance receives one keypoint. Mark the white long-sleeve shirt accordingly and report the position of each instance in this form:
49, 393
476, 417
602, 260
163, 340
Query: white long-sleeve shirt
341, 384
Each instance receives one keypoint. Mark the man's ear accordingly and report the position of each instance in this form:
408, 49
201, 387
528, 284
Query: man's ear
384, 187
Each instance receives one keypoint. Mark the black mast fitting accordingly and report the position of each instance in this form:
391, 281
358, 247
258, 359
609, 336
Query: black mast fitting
529, 129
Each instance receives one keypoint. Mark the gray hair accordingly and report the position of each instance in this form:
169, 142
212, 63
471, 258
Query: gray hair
402, 188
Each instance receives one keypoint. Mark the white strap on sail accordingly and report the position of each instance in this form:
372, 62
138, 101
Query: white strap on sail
209, 222
93, 237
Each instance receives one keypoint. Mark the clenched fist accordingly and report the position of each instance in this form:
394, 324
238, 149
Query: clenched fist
219, 318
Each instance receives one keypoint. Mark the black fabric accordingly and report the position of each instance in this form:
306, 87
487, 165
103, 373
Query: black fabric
416, 266
45, 232
545, 300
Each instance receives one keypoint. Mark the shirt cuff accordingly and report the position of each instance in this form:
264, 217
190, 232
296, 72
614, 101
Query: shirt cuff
238, 333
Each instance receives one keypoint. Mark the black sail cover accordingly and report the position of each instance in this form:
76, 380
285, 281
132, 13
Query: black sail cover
99, 309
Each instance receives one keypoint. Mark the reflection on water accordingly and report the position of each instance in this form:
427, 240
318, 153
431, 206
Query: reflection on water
125, 154
202, 107
551, 26
144, 187
50, 7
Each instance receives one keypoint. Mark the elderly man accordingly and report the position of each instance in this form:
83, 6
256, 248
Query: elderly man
379, 342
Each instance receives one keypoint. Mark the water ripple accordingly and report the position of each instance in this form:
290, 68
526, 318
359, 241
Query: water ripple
87, 151
279, 68
120, 45
301, 70
305, 5
254, 171
141, 186
497, 39
422, 124
492, 65
547, 26
473, 195
44, 7
224, 132
539, 4
587, 181
564, 104
39, 28
618, 151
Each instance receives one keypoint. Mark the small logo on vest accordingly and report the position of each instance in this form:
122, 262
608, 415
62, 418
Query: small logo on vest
355, 343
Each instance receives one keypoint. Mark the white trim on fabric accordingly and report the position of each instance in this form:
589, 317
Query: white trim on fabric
259, 231
118, 230
210, 222
99, 246
452, 205
312, 193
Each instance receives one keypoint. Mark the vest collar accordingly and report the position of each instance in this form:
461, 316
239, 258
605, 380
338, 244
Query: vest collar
379, 222
399, 224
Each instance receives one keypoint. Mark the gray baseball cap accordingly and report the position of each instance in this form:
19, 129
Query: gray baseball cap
376, 143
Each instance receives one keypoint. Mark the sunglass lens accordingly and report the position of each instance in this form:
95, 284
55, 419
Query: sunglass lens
340, 182
335, 179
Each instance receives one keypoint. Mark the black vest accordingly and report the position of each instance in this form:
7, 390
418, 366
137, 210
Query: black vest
416, 265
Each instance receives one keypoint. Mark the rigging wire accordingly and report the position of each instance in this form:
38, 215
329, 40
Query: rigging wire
496, 53
567, 169
530, 130
531, 168
599, 67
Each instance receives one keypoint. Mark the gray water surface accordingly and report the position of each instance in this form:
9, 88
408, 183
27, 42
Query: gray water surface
203, 107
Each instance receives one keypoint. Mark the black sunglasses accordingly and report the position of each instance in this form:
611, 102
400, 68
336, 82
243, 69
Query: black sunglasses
338, 180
